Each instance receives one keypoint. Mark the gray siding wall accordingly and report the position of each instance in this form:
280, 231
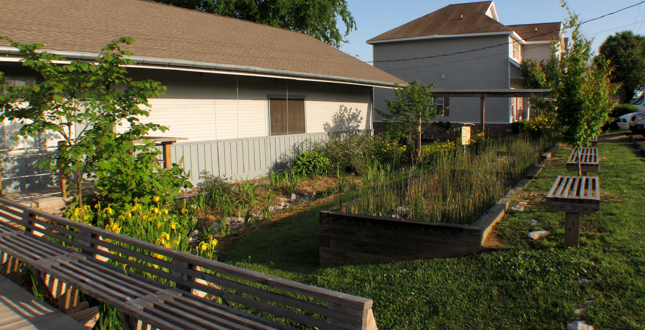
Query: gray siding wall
243, 158
486, 68
536, 52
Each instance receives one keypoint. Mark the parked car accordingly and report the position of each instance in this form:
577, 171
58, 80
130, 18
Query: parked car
625, 121
638, 123
639, 102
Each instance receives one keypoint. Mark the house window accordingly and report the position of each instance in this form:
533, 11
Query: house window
442, 103
12, 81
287, 116
516, 50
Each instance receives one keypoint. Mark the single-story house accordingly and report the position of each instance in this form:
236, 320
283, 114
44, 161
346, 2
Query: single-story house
244, 96
464, 46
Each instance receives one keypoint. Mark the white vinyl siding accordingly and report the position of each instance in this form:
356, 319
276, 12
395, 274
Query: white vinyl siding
218, 107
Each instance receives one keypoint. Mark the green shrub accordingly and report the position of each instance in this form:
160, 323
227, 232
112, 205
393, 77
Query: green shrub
310, 163
351, 153
535, 128
127, 178
388, 152
622, 109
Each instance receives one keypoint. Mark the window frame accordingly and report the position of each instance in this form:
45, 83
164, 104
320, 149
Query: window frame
287, 98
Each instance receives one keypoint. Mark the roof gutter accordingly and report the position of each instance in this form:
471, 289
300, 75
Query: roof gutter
183, 65
512, 33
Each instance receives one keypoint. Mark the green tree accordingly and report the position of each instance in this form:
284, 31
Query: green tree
93, 107
318, 19
414, 104
626, 53
580, 93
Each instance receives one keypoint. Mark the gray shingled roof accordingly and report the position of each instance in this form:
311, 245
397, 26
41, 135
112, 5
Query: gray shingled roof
447, 21
466, 18
538, 32
167, 32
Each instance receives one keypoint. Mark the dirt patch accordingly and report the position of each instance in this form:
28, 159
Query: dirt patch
530, 198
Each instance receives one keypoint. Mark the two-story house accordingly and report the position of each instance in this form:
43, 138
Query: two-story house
464, 46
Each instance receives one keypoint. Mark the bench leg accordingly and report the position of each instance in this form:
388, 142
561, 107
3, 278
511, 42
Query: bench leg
11, 268
572, 229
69, 300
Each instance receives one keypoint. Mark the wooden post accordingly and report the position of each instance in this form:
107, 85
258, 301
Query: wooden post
418, 144
187, 266
166, 154
482, 115
572, 229
61, 175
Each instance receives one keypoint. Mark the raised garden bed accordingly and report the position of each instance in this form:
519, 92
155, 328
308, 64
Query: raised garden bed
344, 236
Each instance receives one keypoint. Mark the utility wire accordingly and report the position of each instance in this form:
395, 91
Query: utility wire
502, 44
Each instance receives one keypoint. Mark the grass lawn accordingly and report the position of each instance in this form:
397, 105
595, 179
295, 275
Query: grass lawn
523, 284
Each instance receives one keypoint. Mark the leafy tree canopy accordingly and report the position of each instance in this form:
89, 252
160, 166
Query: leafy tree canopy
626, 53
318, 19
414, 104
95, 109
580, 93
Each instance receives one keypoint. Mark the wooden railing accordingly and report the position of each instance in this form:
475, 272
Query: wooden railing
163, 288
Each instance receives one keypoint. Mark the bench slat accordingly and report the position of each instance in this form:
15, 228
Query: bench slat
11, 211
112, 283
204, 304
126, 280
580, 197
203, 321
218, 316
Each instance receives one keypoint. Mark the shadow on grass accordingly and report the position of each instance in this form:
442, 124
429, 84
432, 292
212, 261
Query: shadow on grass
290, 246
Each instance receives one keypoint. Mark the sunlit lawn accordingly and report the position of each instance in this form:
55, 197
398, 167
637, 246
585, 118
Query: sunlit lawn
524, 284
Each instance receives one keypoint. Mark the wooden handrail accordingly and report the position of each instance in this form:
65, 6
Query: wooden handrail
234, 284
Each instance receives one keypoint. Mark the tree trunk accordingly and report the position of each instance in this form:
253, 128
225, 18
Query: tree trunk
418, 139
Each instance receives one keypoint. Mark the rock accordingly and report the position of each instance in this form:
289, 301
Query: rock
579, 325
534, 222
579, 311
401, 211
535, 235
293, 196
193, 233
216, 226
583, 282
518, 208
306, 194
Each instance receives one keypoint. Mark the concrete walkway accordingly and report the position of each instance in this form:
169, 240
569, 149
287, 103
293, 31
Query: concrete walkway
20, 310
48, 199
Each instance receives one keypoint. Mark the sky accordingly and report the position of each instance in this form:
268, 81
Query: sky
374, 17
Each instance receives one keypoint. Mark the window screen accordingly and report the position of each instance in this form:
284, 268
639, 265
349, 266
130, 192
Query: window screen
287, 116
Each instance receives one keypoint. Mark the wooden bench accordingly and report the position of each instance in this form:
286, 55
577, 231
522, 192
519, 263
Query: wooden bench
594, 141
156, 287
588, 158
574, 195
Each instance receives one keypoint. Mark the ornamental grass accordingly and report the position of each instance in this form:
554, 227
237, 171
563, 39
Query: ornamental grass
458, 187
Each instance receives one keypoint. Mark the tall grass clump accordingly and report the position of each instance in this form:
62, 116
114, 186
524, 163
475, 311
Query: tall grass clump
458, 188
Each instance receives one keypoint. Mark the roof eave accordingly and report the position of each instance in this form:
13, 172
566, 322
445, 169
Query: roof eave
184, 65
371, 42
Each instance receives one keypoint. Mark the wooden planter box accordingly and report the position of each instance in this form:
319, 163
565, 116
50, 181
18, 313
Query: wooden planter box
344, 237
